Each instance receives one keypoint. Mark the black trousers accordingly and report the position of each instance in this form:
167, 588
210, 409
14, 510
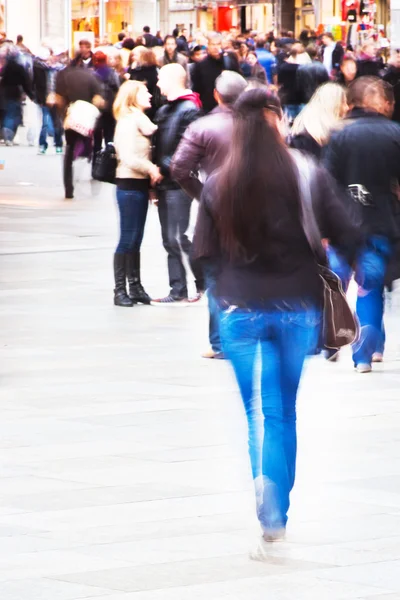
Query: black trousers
105, 129
71, 138
174, 213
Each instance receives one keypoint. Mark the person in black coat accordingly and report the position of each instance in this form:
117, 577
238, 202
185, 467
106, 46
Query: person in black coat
392, 76
144, 68
182, 108
310, 76
365, 160
205, 73
14, 83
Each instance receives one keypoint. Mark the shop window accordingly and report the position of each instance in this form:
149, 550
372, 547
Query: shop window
2, 15
85, 20
118, 17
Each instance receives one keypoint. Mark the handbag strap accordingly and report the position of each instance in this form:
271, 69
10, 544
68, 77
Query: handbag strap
305, 168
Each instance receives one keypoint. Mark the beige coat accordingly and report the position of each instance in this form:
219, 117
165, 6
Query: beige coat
132, 143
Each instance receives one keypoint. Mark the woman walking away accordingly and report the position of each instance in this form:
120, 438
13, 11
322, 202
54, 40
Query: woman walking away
135, 172
319, 119
268, 287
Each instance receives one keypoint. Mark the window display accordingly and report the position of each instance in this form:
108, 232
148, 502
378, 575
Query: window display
85, 18
118, 17
2, 15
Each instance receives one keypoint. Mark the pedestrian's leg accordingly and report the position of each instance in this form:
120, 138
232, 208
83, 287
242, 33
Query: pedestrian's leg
57, 126
127, 223
43, 132
240, 342
214, 310
370, 275
169, 214
184, 204
108, 127
70, 137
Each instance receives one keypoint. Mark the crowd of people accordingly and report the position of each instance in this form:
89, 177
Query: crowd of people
229, 121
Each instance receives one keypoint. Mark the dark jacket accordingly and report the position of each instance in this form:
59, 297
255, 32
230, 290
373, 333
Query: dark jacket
203, 146
284, 272
287, 81
205, 73
172, 119
183, 45
109, 82
41, 72
392, 76
366, 153
15, 81
78, 62
369, 67
307, 144
337, 56
309, 78
74, 83
149, 75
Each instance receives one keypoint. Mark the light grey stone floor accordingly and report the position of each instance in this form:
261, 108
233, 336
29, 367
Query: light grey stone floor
123, 471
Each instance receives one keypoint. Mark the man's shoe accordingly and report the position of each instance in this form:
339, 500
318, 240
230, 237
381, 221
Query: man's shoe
42, 150
9, 143
59, 150
363, 368
210, 353
377, 357
170, 301
196, 298
68, 198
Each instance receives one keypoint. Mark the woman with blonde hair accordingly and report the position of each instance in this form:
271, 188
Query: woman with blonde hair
313, 127
135, 173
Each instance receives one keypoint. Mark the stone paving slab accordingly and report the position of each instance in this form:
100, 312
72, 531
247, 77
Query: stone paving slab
124, 471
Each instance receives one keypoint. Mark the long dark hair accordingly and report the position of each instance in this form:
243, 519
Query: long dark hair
257, 187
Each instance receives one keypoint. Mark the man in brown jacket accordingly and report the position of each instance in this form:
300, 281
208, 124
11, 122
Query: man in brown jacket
203, 148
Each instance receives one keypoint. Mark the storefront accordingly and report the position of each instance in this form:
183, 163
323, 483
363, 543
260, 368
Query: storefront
99, 19
2, 15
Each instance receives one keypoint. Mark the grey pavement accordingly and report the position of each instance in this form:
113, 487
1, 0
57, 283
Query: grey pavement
124, 471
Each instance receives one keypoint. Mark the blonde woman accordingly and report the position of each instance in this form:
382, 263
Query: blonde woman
135, 173
312, 128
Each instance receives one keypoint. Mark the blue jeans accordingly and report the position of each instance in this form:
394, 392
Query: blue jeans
51, 125
370, 276
133, 206
213, 307
281, 339
12, 119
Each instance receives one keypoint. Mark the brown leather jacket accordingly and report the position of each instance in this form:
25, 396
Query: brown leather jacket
204, 146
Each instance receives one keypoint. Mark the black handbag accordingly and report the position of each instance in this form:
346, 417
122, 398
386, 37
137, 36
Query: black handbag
105, 165
340, 324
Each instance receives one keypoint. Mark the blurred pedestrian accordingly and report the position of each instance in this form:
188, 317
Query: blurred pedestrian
182, 108
181, 36
310, 76
332, 54
144, 68
266, 58
121, 37
323, 115
84, 58
202, 150
288, 86
110, 83
149, 41
348, 71
257, 71
171, 54
135, 173
44, 77
14, 84
205, 73
73, 84
364, 157
127, 46
250, 227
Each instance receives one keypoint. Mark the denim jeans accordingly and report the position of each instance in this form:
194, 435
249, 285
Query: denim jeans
51, 125
174, 213
12, 119
213, 307
281, 339
133, 206
370, 276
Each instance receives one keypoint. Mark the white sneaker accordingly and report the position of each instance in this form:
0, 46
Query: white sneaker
363, 368
261, 552
377, 357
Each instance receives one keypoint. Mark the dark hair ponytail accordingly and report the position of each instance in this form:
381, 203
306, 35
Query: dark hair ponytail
257, 187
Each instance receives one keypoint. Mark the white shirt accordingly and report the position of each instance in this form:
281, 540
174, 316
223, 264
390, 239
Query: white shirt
328, 52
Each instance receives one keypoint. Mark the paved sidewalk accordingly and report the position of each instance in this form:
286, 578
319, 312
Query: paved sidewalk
124, 472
